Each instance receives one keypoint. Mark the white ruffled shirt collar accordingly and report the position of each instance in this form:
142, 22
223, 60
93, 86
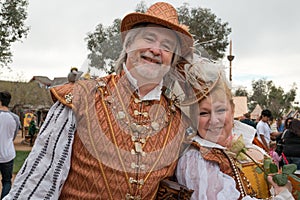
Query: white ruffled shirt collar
152, 95
206, 143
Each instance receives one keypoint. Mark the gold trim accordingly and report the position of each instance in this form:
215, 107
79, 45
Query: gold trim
114, 138
92, 142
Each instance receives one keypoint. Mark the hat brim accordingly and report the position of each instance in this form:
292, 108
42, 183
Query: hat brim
186, 39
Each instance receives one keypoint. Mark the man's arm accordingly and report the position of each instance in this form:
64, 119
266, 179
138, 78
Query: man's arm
273, 135
263, 140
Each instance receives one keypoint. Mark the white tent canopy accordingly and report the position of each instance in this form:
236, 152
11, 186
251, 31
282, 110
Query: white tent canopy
256, 112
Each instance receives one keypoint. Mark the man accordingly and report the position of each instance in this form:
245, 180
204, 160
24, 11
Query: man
119, 136
9, 126
248, 121
263, 129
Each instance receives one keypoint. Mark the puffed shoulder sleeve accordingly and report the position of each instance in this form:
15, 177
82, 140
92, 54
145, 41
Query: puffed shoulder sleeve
63, 94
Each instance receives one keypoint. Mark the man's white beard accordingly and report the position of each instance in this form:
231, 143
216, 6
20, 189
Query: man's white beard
152, 71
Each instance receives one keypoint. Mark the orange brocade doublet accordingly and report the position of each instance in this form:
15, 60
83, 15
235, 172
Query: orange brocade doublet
123, 146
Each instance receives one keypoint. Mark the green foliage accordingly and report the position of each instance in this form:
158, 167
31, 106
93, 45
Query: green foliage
141, 7
280, 179
105, 45
19, 160
12, 28
205, 26
241, 92
287, 170
273, 168
267, 95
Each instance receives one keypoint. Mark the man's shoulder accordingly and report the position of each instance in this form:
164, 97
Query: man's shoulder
261, 123
60, 93
65, 93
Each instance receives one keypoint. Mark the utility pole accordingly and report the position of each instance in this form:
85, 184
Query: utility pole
230, 57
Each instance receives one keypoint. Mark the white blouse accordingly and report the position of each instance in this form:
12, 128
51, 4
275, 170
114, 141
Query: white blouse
206, 178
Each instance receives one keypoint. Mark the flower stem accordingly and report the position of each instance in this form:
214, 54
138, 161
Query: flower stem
244, 152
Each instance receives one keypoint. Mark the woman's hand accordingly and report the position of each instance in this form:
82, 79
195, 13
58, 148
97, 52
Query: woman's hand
279, 189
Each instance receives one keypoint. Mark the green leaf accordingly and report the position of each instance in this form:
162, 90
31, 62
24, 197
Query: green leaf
280, 179
296, 178
289, 169
298, 194
258, 170
273, 168
267, 162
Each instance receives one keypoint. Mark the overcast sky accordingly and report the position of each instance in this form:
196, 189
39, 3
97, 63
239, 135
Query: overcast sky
265, 37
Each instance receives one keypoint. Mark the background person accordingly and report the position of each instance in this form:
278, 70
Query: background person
291, 143
263, 129
280, 124
9, 126
248, 121
279, 139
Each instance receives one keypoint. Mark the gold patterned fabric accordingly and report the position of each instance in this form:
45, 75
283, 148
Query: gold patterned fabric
258, 181
123, 146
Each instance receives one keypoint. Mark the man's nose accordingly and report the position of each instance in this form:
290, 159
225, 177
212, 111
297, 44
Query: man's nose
155, 48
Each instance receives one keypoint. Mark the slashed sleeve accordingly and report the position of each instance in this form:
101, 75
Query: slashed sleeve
47, 166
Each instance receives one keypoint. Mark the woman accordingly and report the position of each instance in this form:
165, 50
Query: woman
291, 143
207, 167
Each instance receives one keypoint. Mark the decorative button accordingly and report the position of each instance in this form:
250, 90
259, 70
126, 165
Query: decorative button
130, 197
101, 84
69, 97
136, 112
133, 152
138, 147
155, 126
134, 166
120, 115
136, 100
139, 182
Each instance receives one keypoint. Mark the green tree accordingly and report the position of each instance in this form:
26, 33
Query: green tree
12, 27
141, 7
105, 46
268, 96
104, 43
208, 30
241, 92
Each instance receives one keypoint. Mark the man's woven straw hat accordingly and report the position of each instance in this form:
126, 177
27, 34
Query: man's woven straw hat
163, 14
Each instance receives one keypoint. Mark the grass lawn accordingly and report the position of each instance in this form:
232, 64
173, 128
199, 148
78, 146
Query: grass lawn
19, 160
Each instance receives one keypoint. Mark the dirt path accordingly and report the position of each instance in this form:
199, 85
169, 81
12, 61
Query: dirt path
20, 145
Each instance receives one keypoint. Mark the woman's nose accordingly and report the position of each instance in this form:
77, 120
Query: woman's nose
216, 119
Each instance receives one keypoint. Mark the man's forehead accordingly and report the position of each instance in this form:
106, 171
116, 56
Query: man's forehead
160, 30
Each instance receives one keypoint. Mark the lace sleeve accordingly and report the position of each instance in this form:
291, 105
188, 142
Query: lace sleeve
204, 177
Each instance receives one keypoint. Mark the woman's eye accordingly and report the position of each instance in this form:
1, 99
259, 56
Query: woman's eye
202, 114
222, 110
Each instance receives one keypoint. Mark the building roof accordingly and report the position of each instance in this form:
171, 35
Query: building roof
41, 79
